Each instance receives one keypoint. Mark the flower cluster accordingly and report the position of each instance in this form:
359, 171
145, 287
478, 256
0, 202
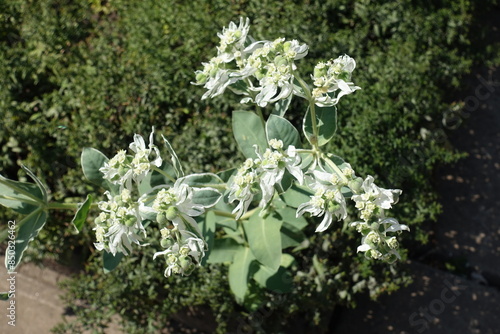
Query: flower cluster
330, 191
172, 207
372, 203
332, 76
122, 169
265, 71
118, 224
262, 174
183, 250
328, 200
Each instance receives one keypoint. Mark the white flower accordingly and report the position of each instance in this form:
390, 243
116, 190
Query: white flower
376, 243
332, 76
118, 224
374, 197
118, 169
232, 40
242, 188
122, 169
176, 205
141, 163
392, 225
272, 64
327, 200
272, 165
187, 251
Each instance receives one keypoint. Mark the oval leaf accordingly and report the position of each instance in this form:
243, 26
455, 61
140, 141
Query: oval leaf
264, 239
248, 131
206, 196
29, 228
239, 272
326, 123
92, 161
110, 262
22, 197
279, 128
81, 214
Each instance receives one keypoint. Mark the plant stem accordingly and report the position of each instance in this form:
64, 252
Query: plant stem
312, 108
335, 168
224, 214
162, 172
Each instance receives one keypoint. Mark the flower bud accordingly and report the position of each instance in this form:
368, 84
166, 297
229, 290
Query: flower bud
130, 221
185, 262
171, 213
161, 218
201, 77
355, 184
166, 243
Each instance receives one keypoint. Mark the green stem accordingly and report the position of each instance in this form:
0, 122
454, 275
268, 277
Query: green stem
300, 150
248, 214
223, 214
259, 110
62, 206
312, 108
162, 172
335, 168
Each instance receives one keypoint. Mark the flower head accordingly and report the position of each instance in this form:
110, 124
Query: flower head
332, 76
122, 169
327, 201
118, 224
374, 199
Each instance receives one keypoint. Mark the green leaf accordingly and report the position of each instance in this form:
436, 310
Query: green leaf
248, 131
291, 236
29, 228
227, 222
280, 281
22, 197
203, 180
92, 161
39, 183
4, 296
281, 106
289, 216
326, 122
239, 272
264, 239
207, 228
110, 262
206, 196
296, 195
226, 174
223, 250
279, 128
175, 161
81, 213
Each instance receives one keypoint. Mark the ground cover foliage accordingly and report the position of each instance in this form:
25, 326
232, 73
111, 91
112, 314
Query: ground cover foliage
85, 73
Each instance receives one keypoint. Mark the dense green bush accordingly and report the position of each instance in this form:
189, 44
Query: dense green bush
76, 73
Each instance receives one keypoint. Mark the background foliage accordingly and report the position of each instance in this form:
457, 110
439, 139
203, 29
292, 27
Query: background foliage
78, 73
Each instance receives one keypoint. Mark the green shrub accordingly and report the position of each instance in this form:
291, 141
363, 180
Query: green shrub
77, 73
